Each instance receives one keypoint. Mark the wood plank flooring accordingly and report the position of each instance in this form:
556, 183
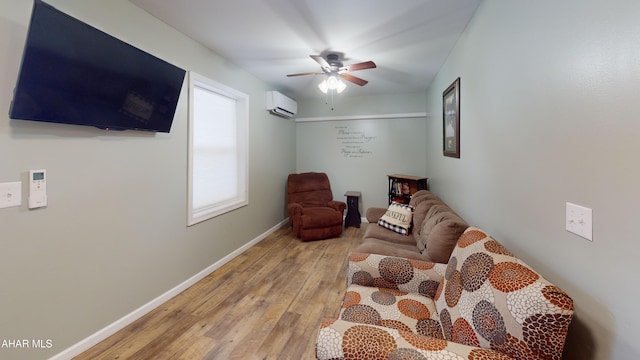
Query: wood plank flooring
266, 303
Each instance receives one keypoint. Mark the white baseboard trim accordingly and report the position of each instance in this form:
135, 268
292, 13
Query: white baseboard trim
121, 323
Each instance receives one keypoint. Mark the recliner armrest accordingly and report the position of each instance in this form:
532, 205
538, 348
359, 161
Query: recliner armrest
294, 208
410, 275
338, 205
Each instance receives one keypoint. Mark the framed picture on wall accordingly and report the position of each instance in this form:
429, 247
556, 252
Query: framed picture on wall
451, 120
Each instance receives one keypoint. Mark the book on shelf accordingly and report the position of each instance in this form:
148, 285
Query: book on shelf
401, 188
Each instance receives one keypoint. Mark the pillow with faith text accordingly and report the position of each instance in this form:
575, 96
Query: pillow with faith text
397, 218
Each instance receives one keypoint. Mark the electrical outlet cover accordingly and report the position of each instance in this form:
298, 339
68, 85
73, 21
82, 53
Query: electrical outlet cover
579, 221
10, 194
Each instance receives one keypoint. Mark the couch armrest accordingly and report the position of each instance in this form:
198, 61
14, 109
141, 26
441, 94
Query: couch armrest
374, 214
340, 339
410, 275
338, 205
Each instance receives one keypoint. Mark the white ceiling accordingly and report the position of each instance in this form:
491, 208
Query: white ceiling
409, 40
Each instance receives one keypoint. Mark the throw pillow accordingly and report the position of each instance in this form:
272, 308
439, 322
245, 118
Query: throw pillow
397, 218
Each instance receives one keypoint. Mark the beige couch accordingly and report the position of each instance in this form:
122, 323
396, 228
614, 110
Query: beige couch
484, 304
434, 231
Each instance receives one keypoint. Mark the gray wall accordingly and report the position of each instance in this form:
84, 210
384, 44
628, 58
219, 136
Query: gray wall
358, 154
114, 235
550, 115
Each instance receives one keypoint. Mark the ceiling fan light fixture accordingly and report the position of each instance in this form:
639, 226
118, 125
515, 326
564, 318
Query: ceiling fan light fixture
332, 83
323, 86
334, 72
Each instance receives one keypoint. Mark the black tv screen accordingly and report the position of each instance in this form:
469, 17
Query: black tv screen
73, 73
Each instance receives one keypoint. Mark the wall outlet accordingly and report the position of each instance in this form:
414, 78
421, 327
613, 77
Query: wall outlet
10, 194
579, 221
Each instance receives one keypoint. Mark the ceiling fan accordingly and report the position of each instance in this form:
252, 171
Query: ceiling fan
333, 68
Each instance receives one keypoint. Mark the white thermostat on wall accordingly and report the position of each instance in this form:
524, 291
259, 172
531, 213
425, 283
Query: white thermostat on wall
37, 188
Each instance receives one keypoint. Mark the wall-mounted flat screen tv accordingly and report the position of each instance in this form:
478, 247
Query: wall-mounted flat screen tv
73, 73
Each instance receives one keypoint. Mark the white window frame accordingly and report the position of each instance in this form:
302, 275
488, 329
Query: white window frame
242, 150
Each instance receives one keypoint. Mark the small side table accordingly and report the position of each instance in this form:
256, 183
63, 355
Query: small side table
353, 214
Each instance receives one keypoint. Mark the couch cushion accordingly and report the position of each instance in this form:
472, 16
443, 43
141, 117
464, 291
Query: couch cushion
443, 238
439, 233
378, 232
420, 213
377, 246
397, 218
421, 195
391, 308
493, 300
435, 214
440, 208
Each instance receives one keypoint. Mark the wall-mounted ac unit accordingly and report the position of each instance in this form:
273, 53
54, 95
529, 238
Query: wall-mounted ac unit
281, 105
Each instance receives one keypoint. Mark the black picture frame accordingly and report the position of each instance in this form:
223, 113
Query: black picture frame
451, 120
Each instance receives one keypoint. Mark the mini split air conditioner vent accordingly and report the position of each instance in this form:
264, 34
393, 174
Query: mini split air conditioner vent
281, 105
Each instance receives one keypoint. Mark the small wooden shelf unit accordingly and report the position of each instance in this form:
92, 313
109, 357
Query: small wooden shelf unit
402, 187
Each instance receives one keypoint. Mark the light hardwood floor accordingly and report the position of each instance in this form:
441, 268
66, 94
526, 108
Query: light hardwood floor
266, 303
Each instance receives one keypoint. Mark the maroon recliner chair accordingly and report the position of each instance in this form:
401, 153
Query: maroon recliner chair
312, 211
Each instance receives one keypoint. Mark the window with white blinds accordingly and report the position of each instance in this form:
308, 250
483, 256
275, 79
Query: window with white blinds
218, 148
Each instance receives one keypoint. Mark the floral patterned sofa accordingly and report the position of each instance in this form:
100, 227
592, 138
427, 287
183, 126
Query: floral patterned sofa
484, 304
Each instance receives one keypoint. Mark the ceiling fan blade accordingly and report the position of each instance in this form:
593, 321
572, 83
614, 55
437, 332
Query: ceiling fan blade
320, 60
361, 66
307, 73
354, 79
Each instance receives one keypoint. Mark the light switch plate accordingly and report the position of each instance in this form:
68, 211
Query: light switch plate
579, 220
10, 194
